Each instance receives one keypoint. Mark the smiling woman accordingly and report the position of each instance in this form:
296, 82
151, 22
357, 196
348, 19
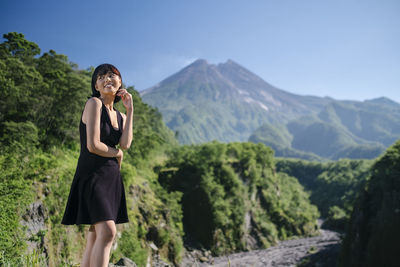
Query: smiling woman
106, 74
97, 195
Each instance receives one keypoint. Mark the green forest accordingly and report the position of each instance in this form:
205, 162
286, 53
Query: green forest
221, 197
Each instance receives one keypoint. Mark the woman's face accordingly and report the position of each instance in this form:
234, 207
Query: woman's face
108, 83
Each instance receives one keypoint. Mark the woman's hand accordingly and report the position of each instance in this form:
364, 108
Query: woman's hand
126, 99
120, 157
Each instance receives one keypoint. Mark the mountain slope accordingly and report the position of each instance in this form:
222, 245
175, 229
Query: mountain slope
280, 140
203, 102
342, 129
376, 120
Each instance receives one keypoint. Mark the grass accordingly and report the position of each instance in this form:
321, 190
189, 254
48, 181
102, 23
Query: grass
34, 259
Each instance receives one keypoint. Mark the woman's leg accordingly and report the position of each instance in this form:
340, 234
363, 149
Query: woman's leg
91, 238
105, 234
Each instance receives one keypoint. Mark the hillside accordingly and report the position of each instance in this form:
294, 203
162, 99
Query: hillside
232, 199
333, 185
342, 129
373, 232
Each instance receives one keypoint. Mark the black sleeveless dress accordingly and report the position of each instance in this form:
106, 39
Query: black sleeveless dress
97, 191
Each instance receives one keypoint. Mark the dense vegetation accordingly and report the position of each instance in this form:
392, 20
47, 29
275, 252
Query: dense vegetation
333, 186
233, 199
373, 234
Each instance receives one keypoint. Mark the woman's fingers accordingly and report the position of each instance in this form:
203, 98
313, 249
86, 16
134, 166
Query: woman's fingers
126, 98
123, 93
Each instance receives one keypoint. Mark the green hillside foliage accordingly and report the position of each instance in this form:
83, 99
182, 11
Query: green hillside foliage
232, 197
41, 101
373, 233
16, 173
320, 137
333, 186
149, 131
280, 140
376, 121
330, 140
367, 151
275, 136
205, 121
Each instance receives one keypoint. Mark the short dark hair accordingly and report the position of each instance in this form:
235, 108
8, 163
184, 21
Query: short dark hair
102, 70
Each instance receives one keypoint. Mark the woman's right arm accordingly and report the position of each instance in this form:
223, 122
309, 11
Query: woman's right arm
92, 114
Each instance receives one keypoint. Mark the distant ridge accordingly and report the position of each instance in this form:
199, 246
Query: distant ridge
227, 102
383, 101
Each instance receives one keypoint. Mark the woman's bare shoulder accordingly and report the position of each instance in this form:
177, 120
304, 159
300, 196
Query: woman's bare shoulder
92, 105
93, 101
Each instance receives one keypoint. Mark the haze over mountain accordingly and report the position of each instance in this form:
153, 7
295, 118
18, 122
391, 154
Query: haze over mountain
227, 102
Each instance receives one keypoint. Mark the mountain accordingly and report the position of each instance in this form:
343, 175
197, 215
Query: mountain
342, 129
227, 102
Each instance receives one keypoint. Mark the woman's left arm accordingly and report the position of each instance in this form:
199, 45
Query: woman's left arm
127, 131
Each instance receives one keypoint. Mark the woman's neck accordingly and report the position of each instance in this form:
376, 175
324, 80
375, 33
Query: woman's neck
108, 101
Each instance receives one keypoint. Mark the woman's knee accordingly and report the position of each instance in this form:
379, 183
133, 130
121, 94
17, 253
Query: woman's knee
106, 231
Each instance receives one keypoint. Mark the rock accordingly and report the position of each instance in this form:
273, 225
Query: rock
153, 247
34, 218
34, 221
115, 243
157, 262
126, 262
195, 256
203, 259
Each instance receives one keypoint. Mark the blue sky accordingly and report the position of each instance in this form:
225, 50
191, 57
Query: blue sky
343, 49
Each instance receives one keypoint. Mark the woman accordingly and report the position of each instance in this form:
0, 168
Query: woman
97, 195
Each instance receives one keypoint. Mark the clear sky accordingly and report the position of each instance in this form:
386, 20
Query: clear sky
345, 49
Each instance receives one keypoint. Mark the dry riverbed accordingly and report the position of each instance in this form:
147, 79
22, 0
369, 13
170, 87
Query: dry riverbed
286, 253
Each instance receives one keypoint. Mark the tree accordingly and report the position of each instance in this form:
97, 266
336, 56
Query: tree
16, 45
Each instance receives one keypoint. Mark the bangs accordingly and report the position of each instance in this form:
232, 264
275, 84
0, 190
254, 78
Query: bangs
104, 69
